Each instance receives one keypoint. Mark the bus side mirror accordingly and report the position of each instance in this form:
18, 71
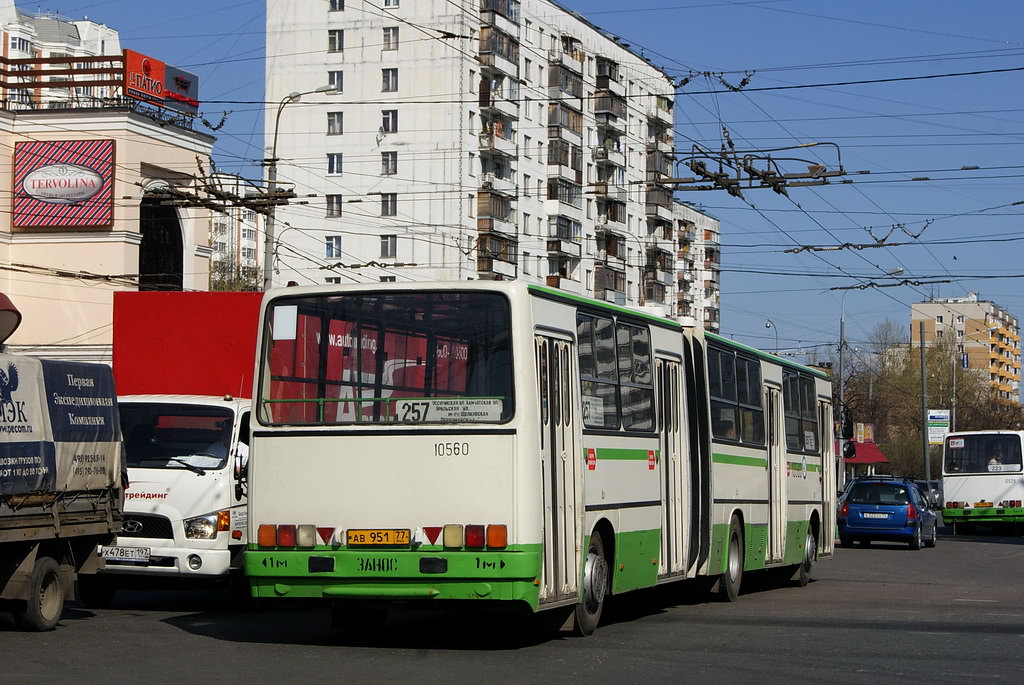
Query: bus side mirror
849, 449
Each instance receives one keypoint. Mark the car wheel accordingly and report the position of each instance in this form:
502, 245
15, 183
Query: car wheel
915, 542
934, 538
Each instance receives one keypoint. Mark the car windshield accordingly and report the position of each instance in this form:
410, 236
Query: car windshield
982, 453
175, 436
879, 493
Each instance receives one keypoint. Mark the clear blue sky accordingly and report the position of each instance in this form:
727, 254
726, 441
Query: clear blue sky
898, 131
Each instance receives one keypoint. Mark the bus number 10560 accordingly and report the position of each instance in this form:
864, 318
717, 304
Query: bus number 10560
451, 449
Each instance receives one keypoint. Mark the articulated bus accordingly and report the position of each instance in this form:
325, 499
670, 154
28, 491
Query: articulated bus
511, 444
982, 480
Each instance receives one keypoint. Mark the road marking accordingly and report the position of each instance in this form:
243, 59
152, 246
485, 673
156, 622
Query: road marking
975, 600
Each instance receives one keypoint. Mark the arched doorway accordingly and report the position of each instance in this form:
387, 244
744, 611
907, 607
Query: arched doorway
161, 250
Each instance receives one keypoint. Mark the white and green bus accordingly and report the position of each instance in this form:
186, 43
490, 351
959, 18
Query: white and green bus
982, 480
509, 443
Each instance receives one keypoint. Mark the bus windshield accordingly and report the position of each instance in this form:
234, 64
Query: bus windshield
392, 357
984, 453
175, 436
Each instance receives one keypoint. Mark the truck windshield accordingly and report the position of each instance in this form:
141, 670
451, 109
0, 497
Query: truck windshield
175, 436
982, 453
395, 357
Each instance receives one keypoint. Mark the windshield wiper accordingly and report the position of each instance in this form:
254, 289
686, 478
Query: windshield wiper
194, 469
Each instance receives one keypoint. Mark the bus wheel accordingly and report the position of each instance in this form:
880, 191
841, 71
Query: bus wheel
729, 584
95, 590
803, 573
595, 587
45, 597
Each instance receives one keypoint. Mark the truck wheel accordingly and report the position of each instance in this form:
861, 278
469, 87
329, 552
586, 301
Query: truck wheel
45, 597
96, 591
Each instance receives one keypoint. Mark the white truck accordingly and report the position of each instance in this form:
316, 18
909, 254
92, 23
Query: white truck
183, 364
61, 481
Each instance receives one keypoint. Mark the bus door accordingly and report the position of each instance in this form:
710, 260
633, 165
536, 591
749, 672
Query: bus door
828, 477
673, 531
560, 467
776, 476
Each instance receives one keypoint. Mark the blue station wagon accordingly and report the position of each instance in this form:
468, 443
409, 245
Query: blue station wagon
887, 510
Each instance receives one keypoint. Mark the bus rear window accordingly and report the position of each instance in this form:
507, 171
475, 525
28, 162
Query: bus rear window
405, 358
984, 453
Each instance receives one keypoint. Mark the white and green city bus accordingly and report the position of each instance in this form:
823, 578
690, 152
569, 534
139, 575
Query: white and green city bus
511, 443
982, 480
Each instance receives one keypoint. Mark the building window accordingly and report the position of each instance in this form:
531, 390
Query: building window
248, 234
334, 205
249, 215
387, 279
391, 3
388, 163
334, 162
389, 80
390, 38
337, 5
335, 123
389, 246
335, 40
333, 280
336, 79
389, 120
333, 246
938, 319
388, 204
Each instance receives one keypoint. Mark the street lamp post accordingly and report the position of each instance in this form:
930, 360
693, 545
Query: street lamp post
271, 164
771, 324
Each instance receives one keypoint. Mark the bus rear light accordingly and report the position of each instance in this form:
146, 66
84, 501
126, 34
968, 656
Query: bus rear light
286, 535
452, 536
497, 536
267, 535
475, 536
306, 536
223, 520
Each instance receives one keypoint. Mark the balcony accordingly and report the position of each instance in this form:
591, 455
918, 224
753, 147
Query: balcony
614, 296
572, 59
658, 211
495, 269
603, 190
656, 273
498, 20
502, 184
561, 246
612, 85
609, 155
662, 110
496, 104
491, 142
661, 143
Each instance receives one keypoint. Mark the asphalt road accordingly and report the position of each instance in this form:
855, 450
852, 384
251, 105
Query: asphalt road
873, 615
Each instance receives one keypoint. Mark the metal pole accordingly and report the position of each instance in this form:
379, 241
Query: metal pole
924, 408
268, 240
952, 408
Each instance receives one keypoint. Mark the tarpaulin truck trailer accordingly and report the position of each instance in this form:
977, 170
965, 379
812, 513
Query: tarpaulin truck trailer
60, 477
183, 364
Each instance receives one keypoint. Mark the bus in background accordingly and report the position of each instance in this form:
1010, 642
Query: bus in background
513, 444
982, 480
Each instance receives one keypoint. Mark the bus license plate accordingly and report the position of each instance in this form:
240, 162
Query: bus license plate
873, 515
377, 536
125, 553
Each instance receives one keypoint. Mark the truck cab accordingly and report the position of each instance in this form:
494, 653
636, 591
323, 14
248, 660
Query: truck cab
185, 515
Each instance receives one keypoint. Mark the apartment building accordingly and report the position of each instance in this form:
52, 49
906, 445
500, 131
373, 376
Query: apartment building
985, 334
236, 236
698, 266
474, 139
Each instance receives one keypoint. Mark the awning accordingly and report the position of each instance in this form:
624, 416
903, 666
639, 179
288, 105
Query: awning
868, 453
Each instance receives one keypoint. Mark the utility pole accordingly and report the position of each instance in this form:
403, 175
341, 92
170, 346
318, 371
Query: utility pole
924, 408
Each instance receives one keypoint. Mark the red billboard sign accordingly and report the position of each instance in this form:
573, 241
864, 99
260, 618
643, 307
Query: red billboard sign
152, 81
63, 183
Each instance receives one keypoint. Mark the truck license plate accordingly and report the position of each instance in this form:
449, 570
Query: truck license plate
377, 536
125, 553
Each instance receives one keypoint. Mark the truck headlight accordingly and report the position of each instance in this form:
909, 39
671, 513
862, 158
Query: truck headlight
201, 527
